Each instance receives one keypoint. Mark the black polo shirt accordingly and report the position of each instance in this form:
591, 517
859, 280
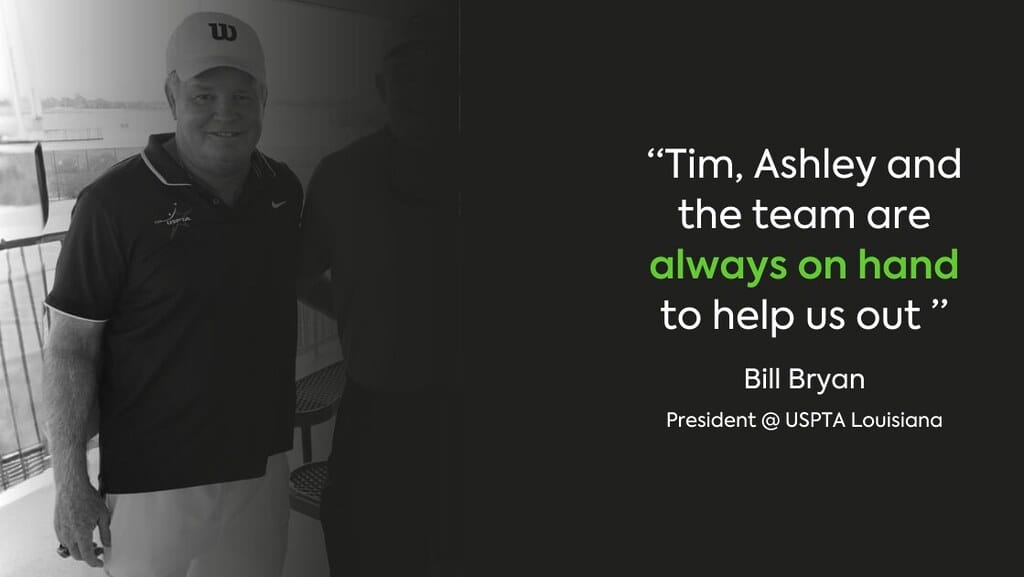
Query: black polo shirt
197, 383
392, 257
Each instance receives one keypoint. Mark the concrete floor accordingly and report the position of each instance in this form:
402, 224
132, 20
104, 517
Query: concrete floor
27, 542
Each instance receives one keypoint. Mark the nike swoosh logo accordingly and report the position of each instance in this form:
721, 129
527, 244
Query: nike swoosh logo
278, 204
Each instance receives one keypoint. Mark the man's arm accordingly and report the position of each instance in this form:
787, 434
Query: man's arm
70, 374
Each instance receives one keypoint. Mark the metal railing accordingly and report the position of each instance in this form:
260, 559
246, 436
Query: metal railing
69, 171
26, 269
64, 134
27, 266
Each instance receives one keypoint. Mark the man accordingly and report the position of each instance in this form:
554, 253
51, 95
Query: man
381, 216
173, 304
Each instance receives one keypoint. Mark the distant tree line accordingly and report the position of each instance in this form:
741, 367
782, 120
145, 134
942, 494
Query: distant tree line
79, 101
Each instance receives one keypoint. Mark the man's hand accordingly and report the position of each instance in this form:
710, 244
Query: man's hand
70, 367
78, 510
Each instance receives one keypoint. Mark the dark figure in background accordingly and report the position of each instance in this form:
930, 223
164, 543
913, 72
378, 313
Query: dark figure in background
381, 217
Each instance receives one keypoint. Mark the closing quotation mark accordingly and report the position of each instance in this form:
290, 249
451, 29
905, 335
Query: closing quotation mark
935, 303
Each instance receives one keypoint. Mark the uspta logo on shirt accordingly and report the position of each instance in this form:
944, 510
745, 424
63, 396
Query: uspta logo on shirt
221, 31
177, 217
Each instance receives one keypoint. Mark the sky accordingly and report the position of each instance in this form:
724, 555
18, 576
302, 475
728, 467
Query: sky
114, 49
98, 48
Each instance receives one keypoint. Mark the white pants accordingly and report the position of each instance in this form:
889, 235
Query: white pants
221, 530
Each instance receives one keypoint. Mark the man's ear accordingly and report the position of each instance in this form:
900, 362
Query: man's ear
170, 98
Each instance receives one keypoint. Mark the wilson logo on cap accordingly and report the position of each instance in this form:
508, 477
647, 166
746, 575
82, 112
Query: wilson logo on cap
221, 31
206, 40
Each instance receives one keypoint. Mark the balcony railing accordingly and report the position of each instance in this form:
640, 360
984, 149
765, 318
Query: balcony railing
26, 269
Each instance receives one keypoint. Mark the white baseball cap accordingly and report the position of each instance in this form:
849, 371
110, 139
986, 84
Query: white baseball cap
206, 40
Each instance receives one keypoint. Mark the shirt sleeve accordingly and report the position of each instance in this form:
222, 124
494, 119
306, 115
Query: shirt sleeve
91, 267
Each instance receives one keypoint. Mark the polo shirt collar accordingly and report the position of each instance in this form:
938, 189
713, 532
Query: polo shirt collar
170, 173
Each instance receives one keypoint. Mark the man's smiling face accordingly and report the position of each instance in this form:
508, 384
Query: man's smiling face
220, 118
